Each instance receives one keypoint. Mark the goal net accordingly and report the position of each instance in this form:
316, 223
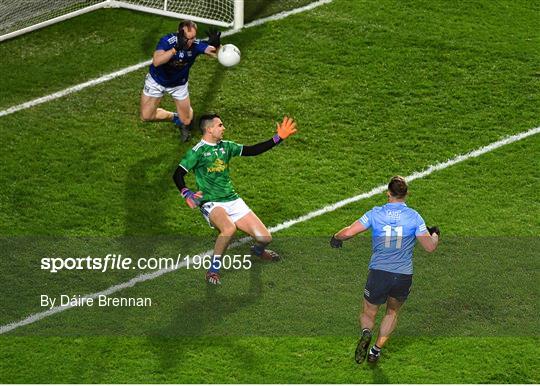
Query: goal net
21, 16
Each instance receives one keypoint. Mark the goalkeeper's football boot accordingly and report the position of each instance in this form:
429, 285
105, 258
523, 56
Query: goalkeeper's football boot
363, 345
373, 356
265, 254
213, 278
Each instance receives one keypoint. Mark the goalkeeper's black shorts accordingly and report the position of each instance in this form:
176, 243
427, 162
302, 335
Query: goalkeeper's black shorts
382, 284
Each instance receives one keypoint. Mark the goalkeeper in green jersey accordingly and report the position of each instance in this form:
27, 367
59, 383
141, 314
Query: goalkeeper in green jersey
218, 202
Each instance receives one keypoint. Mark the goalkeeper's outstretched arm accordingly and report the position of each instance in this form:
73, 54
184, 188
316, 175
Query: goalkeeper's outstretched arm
248, 151
284, 130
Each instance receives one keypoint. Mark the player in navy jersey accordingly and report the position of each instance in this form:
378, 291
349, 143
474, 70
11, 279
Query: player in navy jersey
169, 72
395, 229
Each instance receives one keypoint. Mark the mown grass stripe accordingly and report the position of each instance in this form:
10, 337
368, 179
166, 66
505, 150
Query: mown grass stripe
287, 224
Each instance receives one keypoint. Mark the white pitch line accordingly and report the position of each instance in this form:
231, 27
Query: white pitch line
287, 224
135, 67
416, 175
71, 90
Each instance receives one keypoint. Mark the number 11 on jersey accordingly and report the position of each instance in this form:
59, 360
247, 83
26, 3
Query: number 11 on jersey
388, 235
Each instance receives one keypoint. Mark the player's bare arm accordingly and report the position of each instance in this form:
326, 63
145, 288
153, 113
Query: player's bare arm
429, 240
184, 39
346, 233
211, 51
161, 57
351, 231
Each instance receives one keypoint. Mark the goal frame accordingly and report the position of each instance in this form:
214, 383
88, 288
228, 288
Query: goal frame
236, 24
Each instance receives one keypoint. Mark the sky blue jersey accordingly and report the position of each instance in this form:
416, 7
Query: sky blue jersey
394, 230
176, 71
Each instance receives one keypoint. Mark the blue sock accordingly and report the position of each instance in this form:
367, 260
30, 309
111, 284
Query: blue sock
258, 249
176, 120
216, 264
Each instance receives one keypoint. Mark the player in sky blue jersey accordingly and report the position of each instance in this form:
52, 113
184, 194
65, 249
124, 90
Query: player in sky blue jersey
395, 229
169, 73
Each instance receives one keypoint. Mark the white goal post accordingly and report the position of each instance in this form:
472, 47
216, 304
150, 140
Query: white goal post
21, 16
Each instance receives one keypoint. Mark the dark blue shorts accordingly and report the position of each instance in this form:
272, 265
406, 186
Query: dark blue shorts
381, 284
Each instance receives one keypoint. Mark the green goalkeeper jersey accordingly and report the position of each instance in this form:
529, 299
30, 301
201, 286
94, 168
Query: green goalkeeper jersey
210, 162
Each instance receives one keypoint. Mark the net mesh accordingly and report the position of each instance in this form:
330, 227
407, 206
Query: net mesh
19, 14
222, 10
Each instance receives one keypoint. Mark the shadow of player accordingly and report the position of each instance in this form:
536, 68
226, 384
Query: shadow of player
145, 215
378, 374
198, 323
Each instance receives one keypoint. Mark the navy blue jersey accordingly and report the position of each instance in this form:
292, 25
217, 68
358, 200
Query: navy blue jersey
176, 71
394, 230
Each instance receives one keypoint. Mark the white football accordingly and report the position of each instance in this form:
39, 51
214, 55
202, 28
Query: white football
229, 55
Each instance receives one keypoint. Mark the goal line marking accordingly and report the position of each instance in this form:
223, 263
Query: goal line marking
287, 224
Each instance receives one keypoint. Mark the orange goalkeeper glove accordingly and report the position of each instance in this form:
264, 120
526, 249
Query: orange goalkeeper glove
286, 128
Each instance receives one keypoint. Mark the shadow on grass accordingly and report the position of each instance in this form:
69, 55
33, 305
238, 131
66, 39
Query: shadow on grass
145, 215
378, 374
147, 184
144, 209
219, 72
190, 329
149, 41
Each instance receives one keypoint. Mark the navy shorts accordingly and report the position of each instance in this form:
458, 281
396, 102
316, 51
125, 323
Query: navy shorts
381, 284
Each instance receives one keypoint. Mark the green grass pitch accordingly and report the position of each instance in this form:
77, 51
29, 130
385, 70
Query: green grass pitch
378, 89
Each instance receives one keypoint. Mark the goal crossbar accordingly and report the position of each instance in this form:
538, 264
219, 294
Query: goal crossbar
165, 12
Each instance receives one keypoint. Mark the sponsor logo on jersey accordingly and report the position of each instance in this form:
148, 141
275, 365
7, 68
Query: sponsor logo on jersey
218, 166
393, 214
177, 63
